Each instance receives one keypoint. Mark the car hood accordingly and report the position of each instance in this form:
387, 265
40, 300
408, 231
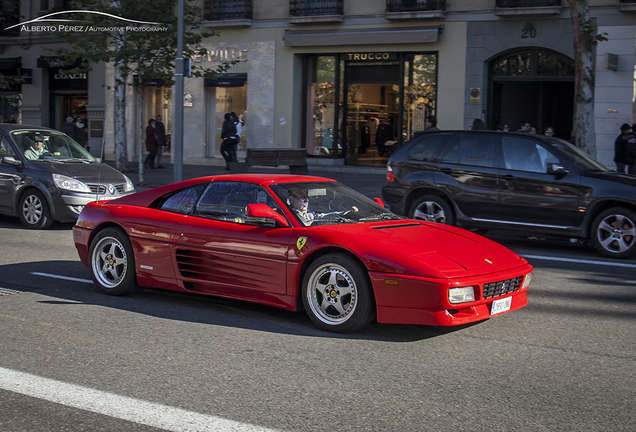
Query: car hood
87, 172
613, 176
426, 249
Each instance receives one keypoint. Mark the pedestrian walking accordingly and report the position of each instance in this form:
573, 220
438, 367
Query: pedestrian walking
69, 127
80, 132
151, 144
228, 135
161, 140
621, 157
431, 123
478, 124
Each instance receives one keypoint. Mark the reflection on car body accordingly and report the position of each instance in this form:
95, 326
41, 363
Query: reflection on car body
512, 181
237, 236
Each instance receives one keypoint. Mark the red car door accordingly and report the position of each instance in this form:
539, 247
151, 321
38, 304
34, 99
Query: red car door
218, 250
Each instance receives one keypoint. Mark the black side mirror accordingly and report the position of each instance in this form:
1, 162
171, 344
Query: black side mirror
556, 169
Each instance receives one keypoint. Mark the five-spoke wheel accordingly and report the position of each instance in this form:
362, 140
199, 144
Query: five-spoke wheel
433, 209
614, 233
336, 294
112, 262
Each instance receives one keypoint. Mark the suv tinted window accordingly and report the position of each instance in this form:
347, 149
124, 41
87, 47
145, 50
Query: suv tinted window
427, 148
526, 155
472, 149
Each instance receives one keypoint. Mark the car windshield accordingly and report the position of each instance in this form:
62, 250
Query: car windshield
578, 157
329, 203
45, 145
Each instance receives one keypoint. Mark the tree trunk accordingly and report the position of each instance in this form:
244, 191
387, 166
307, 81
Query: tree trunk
121, 154
583, 129
142, 129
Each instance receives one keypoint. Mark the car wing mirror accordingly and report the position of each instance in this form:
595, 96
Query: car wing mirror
379, 202
10, 160
265, 211
556, 169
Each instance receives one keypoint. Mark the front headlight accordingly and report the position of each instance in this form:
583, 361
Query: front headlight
461, 295
130, 187
68, 183
526, 281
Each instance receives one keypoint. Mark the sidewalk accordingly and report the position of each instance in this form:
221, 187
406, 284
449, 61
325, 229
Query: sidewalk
366, 180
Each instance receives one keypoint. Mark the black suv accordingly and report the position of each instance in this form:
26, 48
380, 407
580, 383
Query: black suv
513, 181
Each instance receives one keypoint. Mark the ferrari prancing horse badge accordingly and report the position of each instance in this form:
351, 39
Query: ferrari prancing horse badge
301, 242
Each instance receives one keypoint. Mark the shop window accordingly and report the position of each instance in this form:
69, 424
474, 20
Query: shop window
420, 92
10, 108
321, 127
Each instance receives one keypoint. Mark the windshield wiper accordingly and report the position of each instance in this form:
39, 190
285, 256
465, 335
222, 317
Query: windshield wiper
382, 216
86, 161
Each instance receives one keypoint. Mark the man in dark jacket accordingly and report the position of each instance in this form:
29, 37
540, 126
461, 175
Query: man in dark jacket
161, 139
621, 157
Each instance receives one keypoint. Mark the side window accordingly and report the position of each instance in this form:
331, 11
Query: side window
227, 201
427, 149
5, 147
526, 155
472, 149
183, 201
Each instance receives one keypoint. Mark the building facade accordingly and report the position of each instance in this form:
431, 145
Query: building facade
349, 80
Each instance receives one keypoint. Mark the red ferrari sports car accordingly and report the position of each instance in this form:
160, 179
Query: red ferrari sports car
298, 242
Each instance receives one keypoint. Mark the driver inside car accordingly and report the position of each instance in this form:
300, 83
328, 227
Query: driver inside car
299, 203
36, 149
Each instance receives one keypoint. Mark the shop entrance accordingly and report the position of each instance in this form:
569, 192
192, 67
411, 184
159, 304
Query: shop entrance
372, 112
362, 106
534, 86
68, 105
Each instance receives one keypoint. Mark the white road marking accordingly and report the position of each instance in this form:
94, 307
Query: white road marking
121, 407
62, 277
580, 261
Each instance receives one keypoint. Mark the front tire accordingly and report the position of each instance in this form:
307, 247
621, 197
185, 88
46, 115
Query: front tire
432, 208
34, 210
614, 233
336, 294
112, 262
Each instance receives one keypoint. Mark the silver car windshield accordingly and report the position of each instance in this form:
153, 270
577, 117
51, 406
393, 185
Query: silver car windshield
45, 145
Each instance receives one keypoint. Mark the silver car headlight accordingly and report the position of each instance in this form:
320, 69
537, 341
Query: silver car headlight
68, 183
130, 187
461, 295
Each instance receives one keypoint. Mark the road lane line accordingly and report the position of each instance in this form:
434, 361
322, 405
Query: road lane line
580, 261
121, 407
62, 277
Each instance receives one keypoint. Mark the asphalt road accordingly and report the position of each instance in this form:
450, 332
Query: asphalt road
73, 359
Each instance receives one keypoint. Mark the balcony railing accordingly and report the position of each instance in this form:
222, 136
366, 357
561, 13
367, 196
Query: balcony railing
302, 8
226, 10
415, 5
526, 3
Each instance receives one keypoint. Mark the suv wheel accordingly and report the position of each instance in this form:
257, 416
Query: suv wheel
614, 233
433, 209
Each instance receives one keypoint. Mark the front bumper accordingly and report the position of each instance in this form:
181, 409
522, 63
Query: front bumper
424, 301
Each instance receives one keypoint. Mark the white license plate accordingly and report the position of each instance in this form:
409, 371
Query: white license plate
501, 305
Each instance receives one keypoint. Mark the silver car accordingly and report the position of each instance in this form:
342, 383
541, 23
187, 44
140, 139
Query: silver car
45, 176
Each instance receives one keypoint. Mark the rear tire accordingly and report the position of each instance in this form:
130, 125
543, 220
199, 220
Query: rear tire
112, 262
432, 208
614, 233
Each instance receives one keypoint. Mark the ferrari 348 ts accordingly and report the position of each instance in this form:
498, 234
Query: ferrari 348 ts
298, 242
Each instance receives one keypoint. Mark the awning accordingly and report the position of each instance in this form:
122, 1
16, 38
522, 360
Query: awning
375, 36
234, 80
10, 63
